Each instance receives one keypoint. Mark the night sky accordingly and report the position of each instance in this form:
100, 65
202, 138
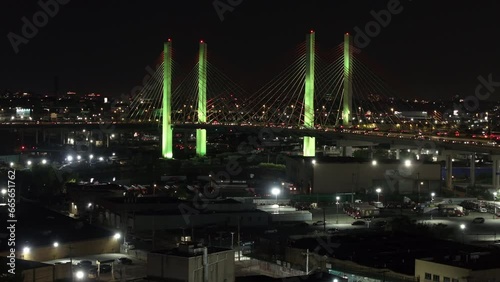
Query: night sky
431, 49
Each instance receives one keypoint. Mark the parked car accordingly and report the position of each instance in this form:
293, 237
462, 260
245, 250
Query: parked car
124, 260
332, 230
85, 263
478, 220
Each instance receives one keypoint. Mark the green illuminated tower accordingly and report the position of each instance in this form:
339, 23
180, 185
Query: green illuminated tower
309, 142
201, 134
347, 97
167, 130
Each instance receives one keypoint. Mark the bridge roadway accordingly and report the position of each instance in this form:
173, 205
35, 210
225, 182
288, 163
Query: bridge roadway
424, 141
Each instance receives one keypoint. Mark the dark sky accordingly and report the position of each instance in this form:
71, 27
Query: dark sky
430, 49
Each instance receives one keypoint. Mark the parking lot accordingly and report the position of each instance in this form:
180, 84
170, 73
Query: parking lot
472, 232
113, 271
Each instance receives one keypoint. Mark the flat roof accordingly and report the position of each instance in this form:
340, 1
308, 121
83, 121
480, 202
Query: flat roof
38, 226
180, 211
146, 200
150, 199
316, 277
179, 253
479, 261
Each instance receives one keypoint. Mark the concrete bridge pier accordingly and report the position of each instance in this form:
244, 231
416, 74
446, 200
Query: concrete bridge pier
495, 170
347, 151
63, 140
472, 169
21, 136
449, 172
36, 136
397, 154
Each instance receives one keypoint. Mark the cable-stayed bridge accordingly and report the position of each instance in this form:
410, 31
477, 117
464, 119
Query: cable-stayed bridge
318, 89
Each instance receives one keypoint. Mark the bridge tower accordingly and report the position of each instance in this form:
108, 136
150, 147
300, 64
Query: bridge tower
167, 130
347, 95
201, 134
309, 142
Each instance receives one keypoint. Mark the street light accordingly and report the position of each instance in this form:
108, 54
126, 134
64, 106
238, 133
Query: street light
374, 162
462, 227
495, 196
313, 162
337, 203
407, 163
4, 191
432, 196
117, 236
79, 274
378, 194
275, 192
56, 244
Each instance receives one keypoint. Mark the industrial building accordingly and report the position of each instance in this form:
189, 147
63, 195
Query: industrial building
334, 175
192, 263
461, 266
29, 271
170, 213
43, 235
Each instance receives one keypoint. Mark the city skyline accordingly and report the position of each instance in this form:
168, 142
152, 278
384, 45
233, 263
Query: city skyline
103, 51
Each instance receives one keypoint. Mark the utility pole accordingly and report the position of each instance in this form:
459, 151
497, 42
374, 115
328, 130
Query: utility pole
239, 243
71, 262
307, 261
324, 219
